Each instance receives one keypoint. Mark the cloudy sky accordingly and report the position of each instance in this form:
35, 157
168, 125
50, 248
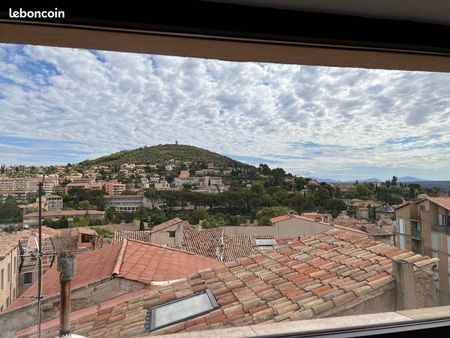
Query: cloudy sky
60, 105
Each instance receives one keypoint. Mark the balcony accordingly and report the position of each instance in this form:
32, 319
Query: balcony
439, 228
416, 233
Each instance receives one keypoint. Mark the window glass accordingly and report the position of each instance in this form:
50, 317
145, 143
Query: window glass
402, 241
28, 278
434, 241
175, 311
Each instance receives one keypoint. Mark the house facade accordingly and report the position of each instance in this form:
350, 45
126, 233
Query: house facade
9, 260
424, 227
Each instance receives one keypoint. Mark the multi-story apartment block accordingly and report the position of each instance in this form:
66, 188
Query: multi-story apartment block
53, 202
424, 227
9, 260
125, 203
113, 188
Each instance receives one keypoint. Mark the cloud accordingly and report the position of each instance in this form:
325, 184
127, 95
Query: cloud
303, 118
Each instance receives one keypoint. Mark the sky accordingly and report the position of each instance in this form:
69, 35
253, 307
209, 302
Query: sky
61, 105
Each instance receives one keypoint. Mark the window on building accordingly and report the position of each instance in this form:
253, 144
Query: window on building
86, 238
7, 302
15, 265
401, 241
172, 234
443, 220
9, 272
422, 207
2, 278
434, 241
28, 278
400, 226
179, 310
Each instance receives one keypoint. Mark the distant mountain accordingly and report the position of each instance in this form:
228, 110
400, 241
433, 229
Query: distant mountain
408, 179
444, 185
372, 180
326, 180
163, 153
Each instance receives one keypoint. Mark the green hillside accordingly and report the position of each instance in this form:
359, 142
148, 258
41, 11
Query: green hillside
163, 153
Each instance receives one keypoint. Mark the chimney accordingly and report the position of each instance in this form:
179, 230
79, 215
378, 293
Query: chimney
405, 285
66, 267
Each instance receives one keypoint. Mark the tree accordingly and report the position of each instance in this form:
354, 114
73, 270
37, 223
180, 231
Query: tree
9, 211
213, 222
199, 214
394, 180
334, 206
157, 216
141, 225
270, 212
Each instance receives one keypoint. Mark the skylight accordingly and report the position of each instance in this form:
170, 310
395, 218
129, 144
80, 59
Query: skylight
264, 243
179, 310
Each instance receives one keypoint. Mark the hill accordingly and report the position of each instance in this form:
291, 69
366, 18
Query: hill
163, 153
410, 179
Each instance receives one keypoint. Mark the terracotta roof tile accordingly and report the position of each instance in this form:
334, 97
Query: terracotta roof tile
270, 286
134, 260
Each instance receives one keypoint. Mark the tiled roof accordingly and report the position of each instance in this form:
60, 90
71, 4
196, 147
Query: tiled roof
282, 218
143, 236
167, 224
90, 266
314, 277
207, 242
7, 243
443, 202
146, 262
120, 316
385, 208
134, 260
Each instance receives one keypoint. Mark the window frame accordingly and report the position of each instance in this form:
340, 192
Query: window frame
151, 311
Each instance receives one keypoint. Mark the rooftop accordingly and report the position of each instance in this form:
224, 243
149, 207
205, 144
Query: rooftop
208, 242
134, 260
167, 224
311, 278
443, 202
7, 243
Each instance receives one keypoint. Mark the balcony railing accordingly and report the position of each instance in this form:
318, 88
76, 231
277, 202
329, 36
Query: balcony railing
416, 233
439, 228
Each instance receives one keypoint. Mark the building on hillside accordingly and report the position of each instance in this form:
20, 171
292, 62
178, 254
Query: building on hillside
103, 275
125, 203
52, 202
113, 188
33, 217
331, 274
163, 185
9, 260
424, 227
